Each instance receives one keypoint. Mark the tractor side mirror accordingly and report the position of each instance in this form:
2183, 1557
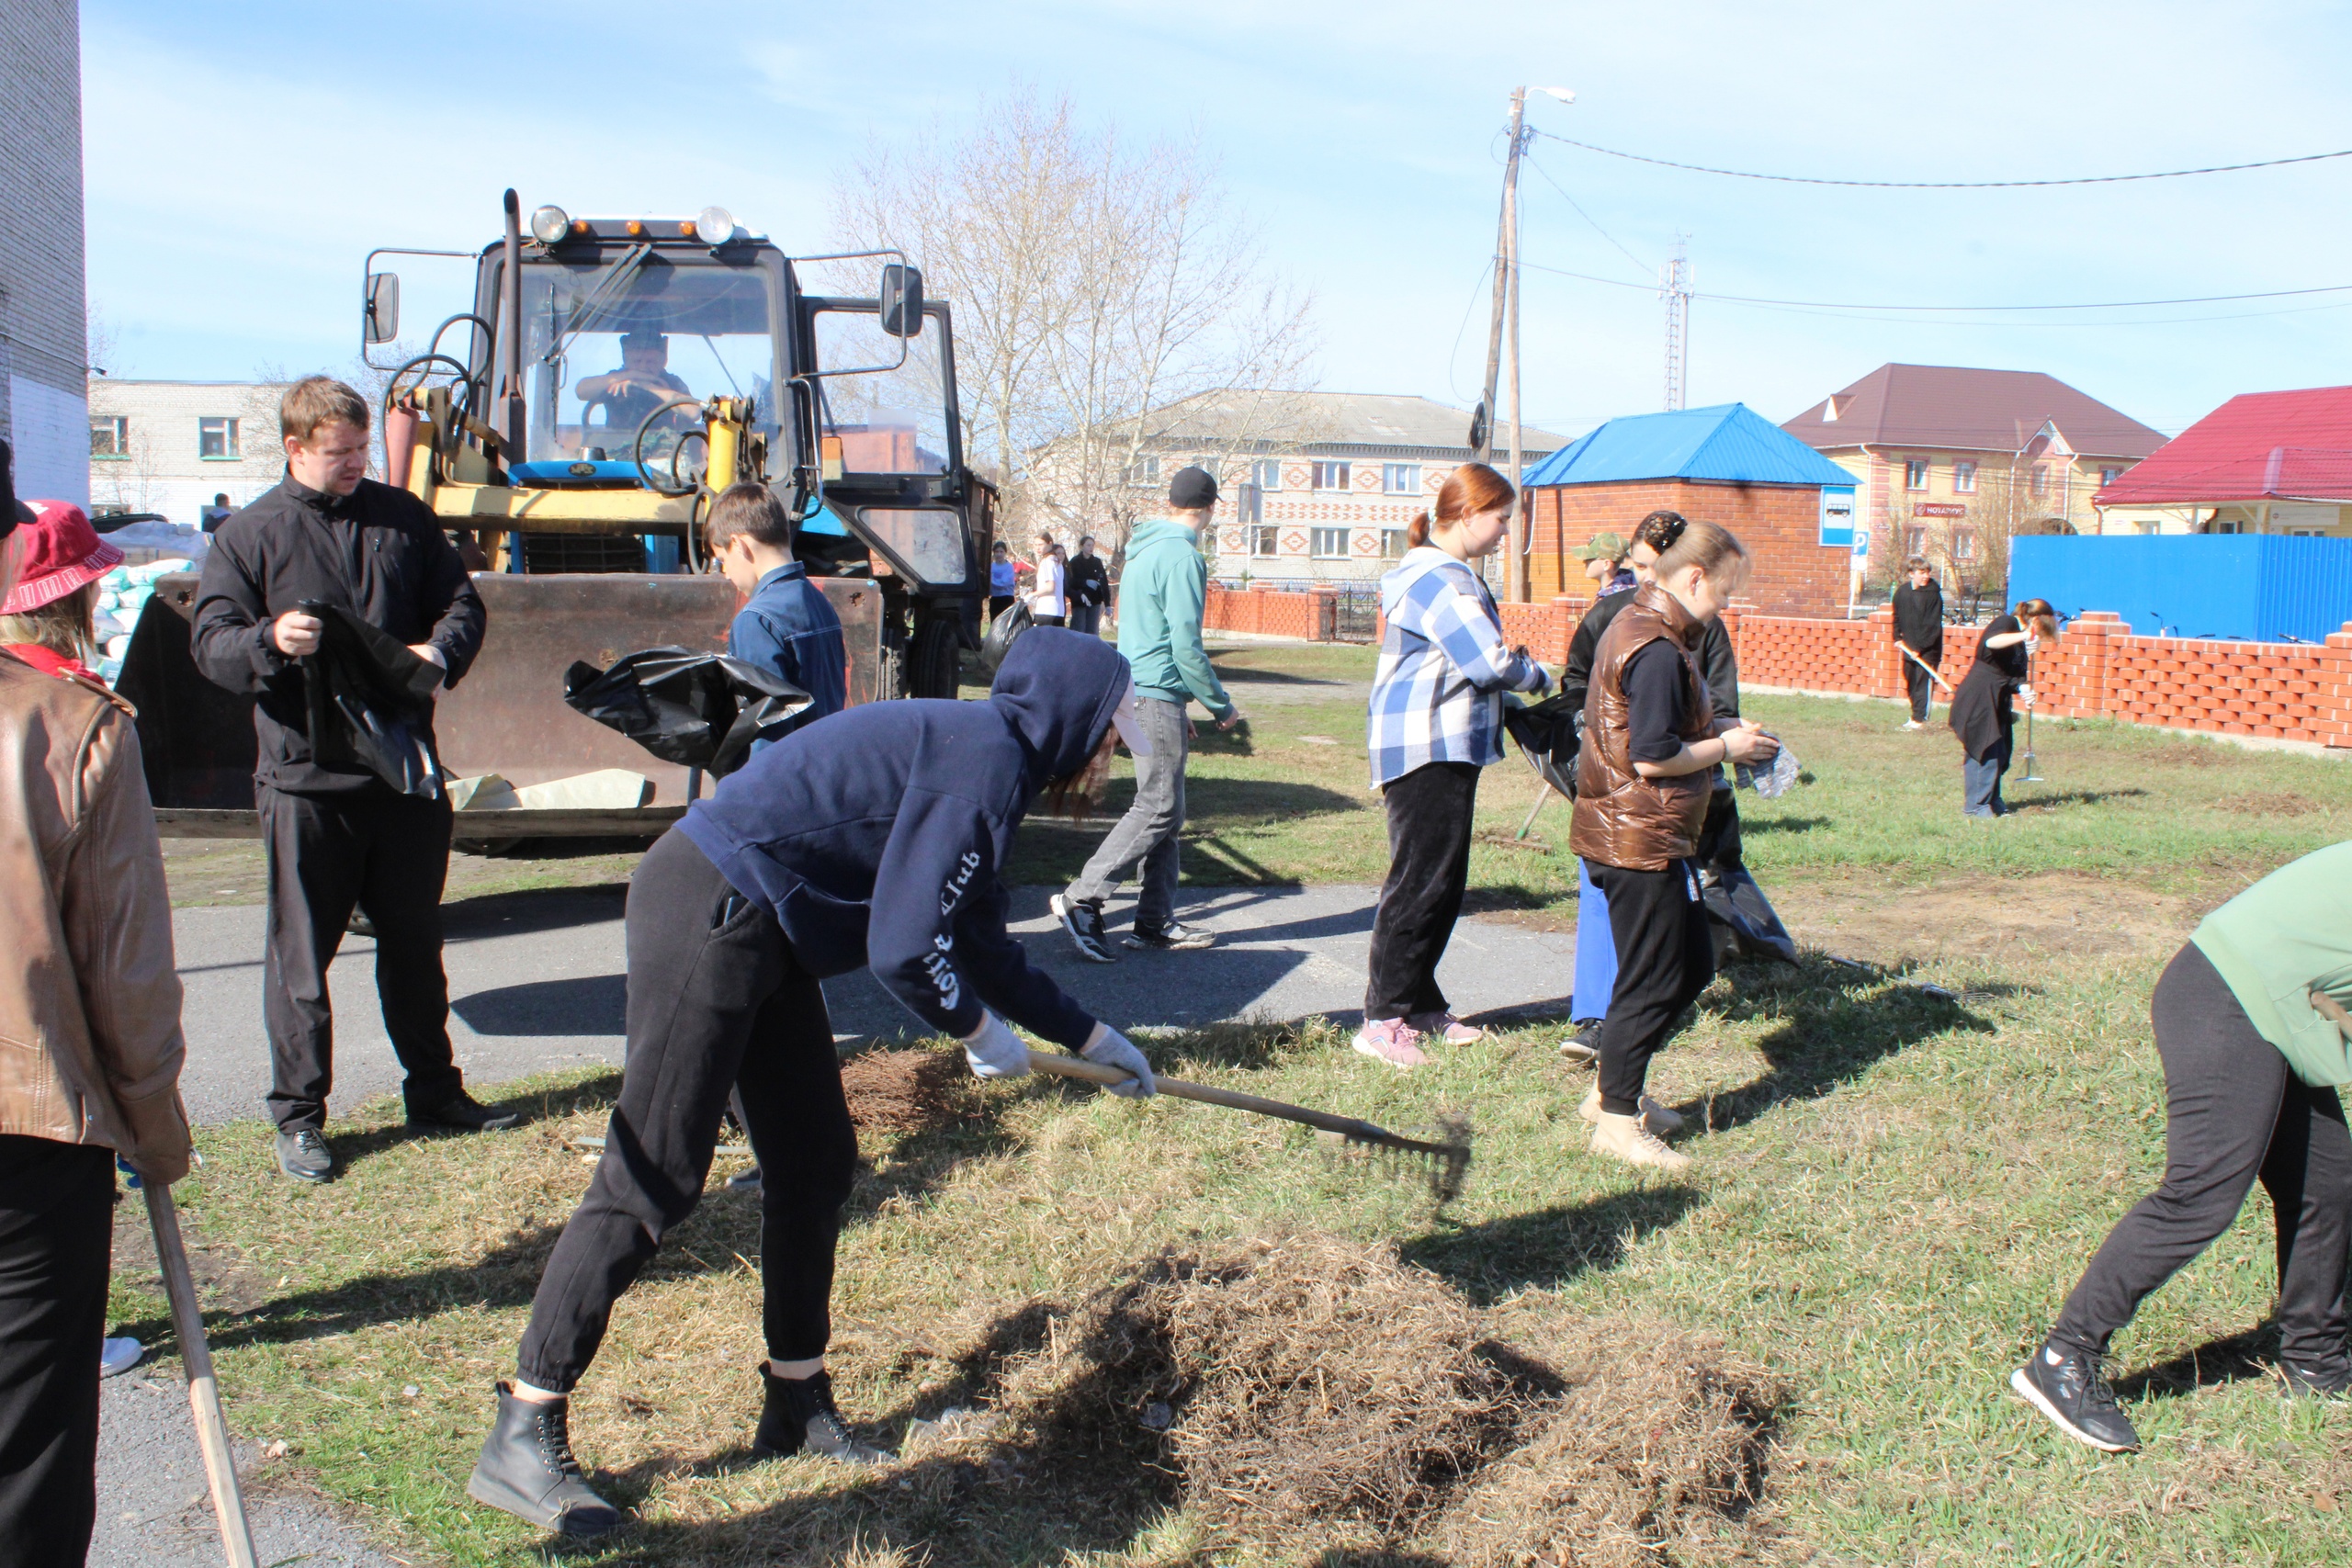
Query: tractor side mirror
384, 308
901, 300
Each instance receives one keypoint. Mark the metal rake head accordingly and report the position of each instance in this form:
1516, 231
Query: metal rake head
1445, 1160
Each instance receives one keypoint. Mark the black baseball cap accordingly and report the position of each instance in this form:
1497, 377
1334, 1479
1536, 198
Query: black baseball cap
1192, 489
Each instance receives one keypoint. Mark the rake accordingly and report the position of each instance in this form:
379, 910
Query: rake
1447, 1162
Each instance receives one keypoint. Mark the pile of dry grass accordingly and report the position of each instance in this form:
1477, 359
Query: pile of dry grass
905, 1092
1316, 1389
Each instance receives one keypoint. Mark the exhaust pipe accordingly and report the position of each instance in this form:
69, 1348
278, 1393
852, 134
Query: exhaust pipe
511, 370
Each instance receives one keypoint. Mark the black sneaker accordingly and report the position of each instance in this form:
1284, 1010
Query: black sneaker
1084, 923
2304, 1381
1173, 937
303, 1154
744, 1180
2065, 1386
1582, 1049
527, 1468
467, 1115
800, 1414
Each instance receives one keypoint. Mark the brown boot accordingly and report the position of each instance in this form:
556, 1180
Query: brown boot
1629, 1140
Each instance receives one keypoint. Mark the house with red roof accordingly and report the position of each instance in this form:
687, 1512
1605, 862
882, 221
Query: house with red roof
1950, 461
2262, 463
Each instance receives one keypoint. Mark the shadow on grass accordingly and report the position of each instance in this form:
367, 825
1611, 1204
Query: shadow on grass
1548, 1248
2040, 802
2234, 1358
1751, 826
354, 1149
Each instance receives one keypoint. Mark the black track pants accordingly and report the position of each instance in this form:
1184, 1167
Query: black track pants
1429, 812
1664, 960
2234, 1112
715, 1000
1920, 686
56, 1245
387, 854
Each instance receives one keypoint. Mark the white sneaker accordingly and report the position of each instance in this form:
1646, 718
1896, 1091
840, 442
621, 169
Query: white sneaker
1913, 724
1658, 1119
1626, 1138
119, 1356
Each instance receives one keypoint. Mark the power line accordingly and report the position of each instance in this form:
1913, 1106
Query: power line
1851, 305
1943, 184
1588, 217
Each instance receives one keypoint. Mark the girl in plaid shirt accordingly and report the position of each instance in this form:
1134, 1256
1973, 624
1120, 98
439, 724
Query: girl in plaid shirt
1436, 720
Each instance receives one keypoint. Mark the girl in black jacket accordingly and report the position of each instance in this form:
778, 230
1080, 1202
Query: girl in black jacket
1981, 715
871, 839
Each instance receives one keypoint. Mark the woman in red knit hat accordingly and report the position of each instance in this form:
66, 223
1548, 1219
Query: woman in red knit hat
49, 618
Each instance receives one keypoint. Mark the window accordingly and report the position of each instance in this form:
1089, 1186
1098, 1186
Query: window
1915, 473
2039, 483
1142, 471
1267, 473
1330, 544
1400, 478
110, 435
1249, 505
1963, 477
1915, 541
1261, 540
1330, 476
1963, 545
216, 438
1392, 543
2108, 475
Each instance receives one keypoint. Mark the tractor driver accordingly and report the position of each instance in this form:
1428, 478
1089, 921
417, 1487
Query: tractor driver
642, 384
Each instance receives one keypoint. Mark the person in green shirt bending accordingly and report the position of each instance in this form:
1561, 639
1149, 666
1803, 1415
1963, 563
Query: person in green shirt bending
2250, 1022
1163, 595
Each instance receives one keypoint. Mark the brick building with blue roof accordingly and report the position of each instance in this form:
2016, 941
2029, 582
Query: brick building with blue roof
1726, 464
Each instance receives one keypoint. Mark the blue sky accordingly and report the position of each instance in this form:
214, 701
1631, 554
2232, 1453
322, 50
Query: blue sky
241, 160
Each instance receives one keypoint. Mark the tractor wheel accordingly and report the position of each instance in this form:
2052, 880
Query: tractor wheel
931, 659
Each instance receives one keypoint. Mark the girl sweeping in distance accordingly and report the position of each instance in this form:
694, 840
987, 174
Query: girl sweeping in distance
1435, 720
1652, 743
1981, 715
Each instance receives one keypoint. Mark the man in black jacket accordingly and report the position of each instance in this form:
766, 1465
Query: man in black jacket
1919, 627
338, 836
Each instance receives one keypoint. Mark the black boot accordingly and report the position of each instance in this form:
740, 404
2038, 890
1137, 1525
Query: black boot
466, 1115
526, 1468
800, 1414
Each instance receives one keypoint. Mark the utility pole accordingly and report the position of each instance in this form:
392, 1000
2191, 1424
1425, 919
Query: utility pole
1674, 279
1506, 314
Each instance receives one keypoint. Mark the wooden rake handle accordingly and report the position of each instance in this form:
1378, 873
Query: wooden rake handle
203, 1390
1923, 664
1346, 1126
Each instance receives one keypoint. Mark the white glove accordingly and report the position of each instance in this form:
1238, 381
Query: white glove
1106, 1047
995, 1052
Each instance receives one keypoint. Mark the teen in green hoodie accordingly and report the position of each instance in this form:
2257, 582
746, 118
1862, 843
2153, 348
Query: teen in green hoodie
2250, 1022
1163, 593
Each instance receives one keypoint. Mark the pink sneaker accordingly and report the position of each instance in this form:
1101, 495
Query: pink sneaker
1392, 1041
1448, 1027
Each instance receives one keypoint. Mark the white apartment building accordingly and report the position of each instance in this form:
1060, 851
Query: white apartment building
173, 447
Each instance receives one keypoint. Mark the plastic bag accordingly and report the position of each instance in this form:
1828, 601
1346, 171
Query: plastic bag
370, 701
1003, 630
1774, 778
699, 710
1551, 733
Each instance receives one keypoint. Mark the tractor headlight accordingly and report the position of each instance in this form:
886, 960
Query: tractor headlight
550, 224
715, 225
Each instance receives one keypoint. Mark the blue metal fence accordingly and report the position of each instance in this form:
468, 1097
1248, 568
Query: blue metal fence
2250, 587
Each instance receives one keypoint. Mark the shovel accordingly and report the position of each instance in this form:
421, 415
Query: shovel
203, 1392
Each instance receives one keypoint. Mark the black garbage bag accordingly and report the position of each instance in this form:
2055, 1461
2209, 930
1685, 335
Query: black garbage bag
1551, 733
700, 710
1003, 632
369, 702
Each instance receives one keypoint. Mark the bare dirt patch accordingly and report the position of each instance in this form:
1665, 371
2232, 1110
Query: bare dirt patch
905, 1092
1979, 917
2268, 803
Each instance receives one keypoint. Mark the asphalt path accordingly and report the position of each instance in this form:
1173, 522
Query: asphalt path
536, 984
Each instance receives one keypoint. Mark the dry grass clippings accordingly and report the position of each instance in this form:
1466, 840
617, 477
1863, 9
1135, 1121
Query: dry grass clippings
906, 1091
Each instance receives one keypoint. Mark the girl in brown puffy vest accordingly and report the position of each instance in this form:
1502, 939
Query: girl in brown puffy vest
1652, 741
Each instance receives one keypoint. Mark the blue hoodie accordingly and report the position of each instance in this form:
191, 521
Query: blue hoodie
877, 837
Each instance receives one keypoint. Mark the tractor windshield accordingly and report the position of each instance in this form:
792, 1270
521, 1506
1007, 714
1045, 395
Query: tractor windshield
613, 342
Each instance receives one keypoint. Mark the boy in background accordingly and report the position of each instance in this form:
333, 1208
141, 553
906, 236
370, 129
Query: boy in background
1919, 627
787, 625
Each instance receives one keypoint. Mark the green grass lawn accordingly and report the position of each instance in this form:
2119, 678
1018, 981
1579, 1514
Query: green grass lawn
1891, 1198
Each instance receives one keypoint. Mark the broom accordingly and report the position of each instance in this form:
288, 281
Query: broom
1447, 1162
203, 1392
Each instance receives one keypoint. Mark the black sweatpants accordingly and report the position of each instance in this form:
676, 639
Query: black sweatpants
56, 1247
2233, 1112
1664, 960
716, 1001
1920, 685
1428, 869
388, 855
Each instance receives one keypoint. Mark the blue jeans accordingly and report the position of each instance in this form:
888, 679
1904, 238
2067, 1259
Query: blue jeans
1980, 782
1596, 950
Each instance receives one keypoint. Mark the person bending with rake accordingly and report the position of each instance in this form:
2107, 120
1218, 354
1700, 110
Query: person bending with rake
872, 840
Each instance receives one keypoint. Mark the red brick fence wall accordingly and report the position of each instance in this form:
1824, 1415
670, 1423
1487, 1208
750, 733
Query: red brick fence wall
2287, 691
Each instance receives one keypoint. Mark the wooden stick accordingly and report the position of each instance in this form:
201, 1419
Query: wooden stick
1923, 664
203, 1391
1346, 1126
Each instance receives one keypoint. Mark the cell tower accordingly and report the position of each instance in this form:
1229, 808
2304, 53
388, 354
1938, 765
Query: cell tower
1674, 287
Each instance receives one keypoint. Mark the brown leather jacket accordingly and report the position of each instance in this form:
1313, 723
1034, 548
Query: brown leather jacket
90, 1042
1623, 818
